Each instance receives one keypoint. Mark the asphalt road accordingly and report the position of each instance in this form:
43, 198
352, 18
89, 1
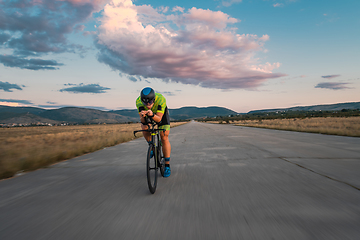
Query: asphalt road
227, 182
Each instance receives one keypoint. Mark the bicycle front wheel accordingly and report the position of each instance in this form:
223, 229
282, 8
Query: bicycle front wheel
151, 168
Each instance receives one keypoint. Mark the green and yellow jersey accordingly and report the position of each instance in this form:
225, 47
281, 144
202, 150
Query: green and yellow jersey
159, 104
158, 107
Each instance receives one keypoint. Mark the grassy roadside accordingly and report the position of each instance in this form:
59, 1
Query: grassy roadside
30, 148
341, 126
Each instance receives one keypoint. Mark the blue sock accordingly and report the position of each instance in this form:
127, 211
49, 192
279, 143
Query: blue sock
167, 160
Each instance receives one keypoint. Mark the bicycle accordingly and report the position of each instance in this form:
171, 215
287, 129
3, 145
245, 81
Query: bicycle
157, 161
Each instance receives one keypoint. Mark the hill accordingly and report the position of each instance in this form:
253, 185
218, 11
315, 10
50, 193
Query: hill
185, 113
33, 110
76, 115
72, 115
27, 119
195, 112
324, 107
83, 115
131, 113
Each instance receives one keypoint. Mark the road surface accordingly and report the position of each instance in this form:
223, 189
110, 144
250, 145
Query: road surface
227, 182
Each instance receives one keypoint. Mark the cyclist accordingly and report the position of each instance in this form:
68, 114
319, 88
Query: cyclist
153, 105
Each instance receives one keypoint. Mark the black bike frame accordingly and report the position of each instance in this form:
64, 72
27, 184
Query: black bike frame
155, 143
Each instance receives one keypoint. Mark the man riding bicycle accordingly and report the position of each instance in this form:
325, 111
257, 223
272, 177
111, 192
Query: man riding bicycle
152, 105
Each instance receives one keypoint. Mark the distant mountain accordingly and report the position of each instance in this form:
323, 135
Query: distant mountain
29, 115
131, 113
32, 110
84, 115
196, 112
185, 112
325, 107
67, 114
22, 115
26, 119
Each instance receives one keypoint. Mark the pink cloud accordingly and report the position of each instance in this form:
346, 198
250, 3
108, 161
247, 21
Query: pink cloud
139, 41
177, 8
278, 5
214, 19
82, 2
95, 3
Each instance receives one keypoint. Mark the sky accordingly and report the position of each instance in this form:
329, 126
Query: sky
240, 54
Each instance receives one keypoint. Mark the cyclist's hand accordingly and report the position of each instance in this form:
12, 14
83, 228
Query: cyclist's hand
143, 113
150, 113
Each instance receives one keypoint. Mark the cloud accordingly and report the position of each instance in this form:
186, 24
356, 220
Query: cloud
40, 27
207, 18
168, 93
31, 64
16, 101
290, 78
177, 8
134, 78
328, 18
330, 76
332, 85
201, 50
278, 5
4, 37
228, 3
86, 88
6, 86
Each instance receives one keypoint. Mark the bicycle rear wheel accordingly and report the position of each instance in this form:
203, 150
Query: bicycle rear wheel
151, 168
160, 157
161, 162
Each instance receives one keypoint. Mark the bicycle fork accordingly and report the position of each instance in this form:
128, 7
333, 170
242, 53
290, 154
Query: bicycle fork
155, 144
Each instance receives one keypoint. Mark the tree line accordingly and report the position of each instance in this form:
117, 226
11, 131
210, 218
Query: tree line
287, 114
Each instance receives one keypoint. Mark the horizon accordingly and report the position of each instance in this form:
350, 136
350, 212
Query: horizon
106, 110
239, 54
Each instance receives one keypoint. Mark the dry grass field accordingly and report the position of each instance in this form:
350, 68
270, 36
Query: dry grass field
332, 125
30, 148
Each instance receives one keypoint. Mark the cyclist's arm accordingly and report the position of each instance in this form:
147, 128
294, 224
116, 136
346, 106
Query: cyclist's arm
156, 116
142, 115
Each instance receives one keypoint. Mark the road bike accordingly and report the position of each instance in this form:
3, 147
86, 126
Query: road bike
156, 161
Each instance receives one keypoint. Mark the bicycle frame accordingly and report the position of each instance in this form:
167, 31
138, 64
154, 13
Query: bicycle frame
155, 148
152, 130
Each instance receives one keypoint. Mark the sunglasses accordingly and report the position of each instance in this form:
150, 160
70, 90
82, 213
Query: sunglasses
149, 102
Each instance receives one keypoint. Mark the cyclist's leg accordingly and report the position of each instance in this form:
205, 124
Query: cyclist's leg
146, 135
164, 135
166, 147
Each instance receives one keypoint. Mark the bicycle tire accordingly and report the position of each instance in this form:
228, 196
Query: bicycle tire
161, 160
152, 169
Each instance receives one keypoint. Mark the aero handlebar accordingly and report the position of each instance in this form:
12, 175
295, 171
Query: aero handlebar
151, 129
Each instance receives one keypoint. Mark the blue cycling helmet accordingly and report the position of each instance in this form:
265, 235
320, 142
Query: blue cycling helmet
147, 95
